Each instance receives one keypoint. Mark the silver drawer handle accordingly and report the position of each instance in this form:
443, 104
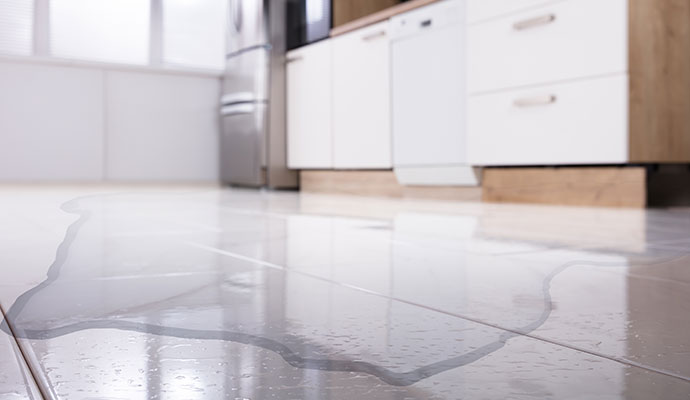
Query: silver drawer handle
534, 22
374, 35
535, 101
289, 60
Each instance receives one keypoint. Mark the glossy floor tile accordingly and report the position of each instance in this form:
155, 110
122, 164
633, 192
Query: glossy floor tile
207, 293
16, 381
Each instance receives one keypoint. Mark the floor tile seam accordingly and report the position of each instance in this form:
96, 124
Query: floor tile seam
674, 254
122, 278
648, 278
667, 240
33, 374
668, 247
616, 359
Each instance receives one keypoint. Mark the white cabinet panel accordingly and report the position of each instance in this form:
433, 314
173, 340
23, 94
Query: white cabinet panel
361, 99
309, 98
564, 40
478, 10
162, 127
51, 123
574, 123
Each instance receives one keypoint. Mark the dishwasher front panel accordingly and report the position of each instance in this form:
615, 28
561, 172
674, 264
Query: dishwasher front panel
428, 86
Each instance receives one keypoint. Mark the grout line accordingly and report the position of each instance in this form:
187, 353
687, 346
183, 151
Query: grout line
27, 377
429, 308
34, 374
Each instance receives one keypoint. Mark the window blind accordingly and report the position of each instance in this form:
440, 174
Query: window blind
100, 30
16, 27
194, 33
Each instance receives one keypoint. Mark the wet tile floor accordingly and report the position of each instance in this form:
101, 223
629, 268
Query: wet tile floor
203, 293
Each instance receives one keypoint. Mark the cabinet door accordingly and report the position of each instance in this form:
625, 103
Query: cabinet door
309, 106
361, 99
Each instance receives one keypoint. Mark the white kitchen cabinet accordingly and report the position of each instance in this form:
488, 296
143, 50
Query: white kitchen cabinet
557, 42
548, 85
309, 98
361, 99
576, 82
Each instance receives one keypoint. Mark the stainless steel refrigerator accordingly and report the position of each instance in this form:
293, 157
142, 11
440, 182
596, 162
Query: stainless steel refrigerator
253, 135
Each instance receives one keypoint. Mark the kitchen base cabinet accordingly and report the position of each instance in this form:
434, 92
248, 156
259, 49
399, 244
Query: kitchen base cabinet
361, 99
309, 97
624, 98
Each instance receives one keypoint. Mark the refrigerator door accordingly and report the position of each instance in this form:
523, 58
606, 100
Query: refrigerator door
243, 144
247, 72
247, 25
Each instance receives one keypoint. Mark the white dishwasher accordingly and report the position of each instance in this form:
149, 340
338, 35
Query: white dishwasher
429, 96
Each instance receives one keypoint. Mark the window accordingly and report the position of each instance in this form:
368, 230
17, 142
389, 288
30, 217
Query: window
193, 33
100, 30
185, 33
16, 26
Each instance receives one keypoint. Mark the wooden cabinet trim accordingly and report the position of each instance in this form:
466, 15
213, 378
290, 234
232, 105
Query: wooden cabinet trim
659, 63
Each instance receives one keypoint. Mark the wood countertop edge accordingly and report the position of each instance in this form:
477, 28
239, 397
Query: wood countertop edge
380, 16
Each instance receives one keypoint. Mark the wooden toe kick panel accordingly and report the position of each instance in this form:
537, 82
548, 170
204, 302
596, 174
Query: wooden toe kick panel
585, 186
381, 183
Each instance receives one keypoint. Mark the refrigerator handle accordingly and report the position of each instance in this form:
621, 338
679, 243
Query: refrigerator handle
237, 109
236, 9
237, 97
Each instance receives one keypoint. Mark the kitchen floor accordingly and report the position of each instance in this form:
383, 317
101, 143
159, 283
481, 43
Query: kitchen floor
203, 293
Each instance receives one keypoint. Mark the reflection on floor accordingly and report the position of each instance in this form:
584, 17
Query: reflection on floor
207, 293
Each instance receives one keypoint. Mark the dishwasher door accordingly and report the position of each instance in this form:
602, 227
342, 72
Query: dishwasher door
428, 92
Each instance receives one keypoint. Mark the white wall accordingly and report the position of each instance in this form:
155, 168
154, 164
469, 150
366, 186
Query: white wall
161, 127
51, 123
87, 122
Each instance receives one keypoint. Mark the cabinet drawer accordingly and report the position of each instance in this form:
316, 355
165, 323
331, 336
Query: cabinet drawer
581, 122
564, 40
479, 10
